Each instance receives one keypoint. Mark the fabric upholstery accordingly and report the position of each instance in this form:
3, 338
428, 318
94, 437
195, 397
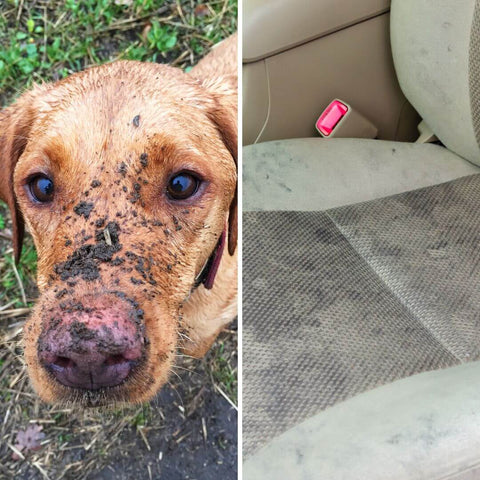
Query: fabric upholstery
317, 174
339, 302
437, 68
342, 301
474, 71
423, 427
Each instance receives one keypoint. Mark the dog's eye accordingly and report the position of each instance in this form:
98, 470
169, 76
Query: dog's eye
182, 185
41, 188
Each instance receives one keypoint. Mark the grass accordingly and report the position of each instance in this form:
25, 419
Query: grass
45, 40
224, 373
14, 278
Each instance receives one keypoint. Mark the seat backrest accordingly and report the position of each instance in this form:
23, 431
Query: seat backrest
436, 50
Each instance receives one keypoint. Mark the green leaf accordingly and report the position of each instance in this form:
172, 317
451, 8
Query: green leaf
32, 50
25, 66
30, 25
171, 42
21, 36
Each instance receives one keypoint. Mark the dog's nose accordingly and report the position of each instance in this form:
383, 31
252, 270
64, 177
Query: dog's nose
91, 353
89, 370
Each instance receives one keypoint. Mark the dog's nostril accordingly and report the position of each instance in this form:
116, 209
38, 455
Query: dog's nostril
115, 360
63, 362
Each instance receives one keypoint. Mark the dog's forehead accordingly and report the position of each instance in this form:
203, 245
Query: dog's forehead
127, 80
127, 107
126, 99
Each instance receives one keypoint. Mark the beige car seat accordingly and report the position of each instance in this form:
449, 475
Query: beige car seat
436, 50
361, 321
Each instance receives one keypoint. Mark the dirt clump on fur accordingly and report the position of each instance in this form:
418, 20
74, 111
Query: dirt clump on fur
84, 261
83, 209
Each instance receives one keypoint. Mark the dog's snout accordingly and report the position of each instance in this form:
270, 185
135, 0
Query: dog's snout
91, 351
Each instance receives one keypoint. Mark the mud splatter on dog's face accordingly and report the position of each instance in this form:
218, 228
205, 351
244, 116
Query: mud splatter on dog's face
125, 184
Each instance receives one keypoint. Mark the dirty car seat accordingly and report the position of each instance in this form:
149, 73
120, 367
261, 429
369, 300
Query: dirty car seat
343, 298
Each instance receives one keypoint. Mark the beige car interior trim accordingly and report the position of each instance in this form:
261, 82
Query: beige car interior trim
422, 427
426, 133
256, 88
273, 26
268, 103
360, 72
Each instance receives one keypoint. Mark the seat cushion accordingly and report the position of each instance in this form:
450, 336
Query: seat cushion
342, 301
317, 174
423, 427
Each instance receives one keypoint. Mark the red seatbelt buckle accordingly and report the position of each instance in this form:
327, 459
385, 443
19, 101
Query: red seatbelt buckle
340, 120
331, 117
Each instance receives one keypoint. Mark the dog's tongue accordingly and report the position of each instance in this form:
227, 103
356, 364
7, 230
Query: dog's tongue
214, 262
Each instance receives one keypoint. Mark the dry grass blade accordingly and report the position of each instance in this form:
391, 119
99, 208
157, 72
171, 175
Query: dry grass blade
225, 396
8, 305
20, 283
144, 438
15, 312
16, 451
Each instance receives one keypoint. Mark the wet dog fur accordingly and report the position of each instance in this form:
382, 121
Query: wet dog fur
113, 248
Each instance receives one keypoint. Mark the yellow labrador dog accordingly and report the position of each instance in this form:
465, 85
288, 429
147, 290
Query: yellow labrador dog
125, 175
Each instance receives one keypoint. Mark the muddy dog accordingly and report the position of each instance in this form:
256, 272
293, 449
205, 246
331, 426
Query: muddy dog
125, 175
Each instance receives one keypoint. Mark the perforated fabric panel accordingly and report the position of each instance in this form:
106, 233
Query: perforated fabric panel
474, 70
339, 302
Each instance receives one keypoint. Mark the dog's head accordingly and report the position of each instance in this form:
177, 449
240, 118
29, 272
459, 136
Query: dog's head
125, 175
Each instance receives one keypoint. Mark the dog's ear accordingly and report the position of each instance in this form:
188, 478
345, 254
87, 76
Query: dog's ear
224, 116
217, 73
15, 124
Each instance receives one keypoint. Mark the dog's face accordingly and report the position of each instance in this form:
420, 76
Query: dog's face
125, 178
